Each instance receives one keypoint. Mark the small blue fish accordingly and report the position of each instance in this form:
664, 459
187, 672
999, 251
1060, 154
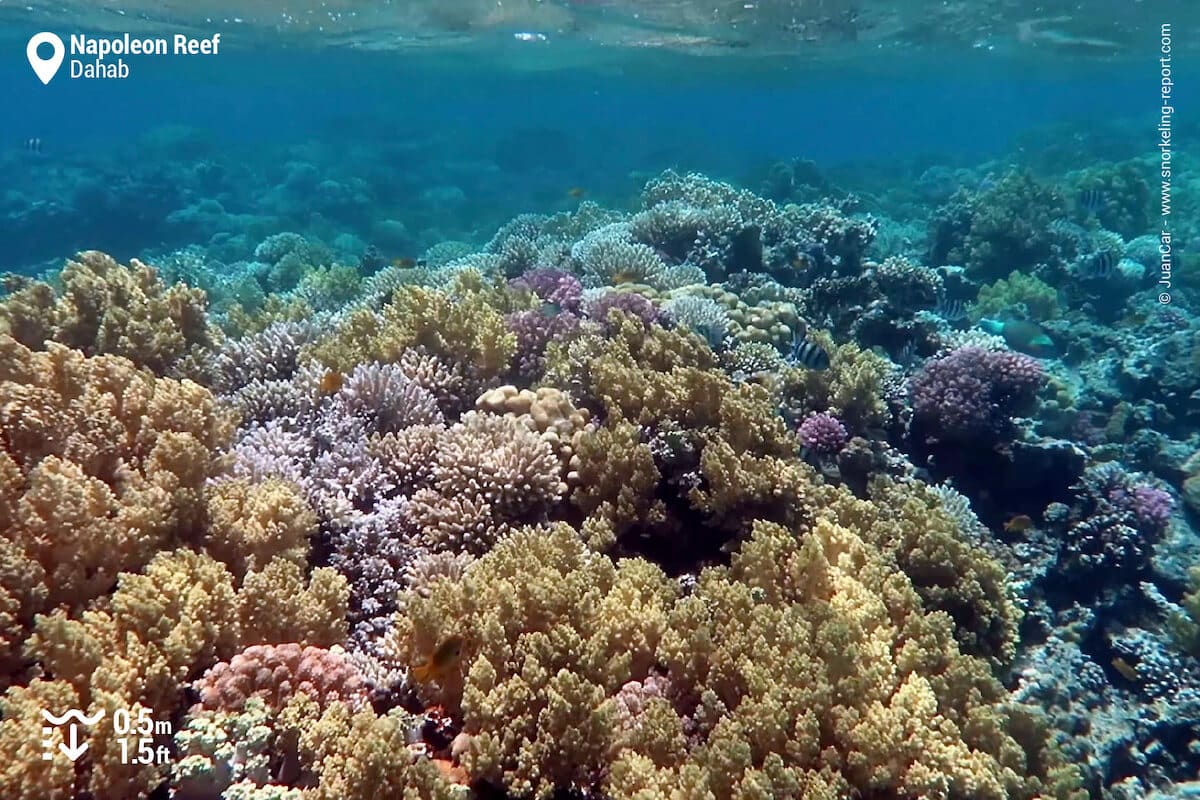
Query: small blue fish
807, 354
1091, 201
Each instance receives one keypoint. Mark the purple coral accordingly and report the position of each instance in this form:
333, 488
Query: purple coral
1152, 507
822, 433
631, 303
973, 393
553, 286
1117, 518
535, 330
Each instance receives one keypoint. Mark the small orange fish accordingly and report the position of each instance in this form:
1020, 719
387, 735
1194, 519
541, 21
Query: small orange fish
445, 658
404, 262
576, 192
1019, 523
624, 276
1127, 670
331, 382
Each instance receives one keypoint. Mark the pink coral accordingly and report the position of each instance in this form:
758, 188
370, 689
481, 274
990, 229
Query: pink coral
823, 433
277, 672
973, 393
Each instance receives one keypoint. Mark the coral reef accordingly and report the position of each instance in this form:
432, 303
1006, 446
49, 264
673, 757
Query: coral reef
624, 504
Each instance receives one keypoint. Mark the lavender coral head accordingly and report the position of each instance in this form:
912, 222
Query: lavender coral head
1152, 507
535, 330
553, 286
973, 393
822, 432
632, 303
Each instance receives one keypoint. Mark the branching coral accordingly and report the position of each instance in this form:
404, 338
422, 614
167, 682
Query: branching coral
972, 394
808, 668
107, 308
1031, 298
909, 525
252, 523
554, 630
361, 755
460, 326
159, 630
102, 466
1114, 523
1004, 227
490, 472
276, 673
852, 388
679, 441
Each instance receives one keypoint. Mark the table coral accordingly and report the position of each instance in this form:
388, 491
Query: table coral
108, 308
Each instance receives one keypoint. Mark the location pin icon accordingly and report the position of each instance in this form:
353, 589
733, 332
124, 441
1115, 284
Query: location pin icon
45, 68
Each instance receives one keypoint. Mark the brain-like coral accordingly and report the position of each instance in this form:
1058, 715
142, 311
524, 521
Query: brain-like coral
275, 673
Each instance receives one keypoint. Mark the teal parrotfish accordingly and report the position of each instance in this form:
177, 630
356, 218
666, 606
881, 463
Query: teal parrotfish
1021, 335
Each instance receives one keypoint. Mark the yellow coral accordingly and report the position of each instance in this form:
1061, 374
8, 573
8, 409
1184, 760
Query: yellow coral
24, 773
103, 466
158, 630
808, 668
909, 525
459, 325
852, 386
277, 607
1038, 299
551, 630
109, 308
252, 523
164, 627
361, 755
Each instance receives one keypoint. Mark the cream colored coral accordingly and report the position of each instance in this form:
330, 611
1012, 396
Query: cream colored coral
106, 307
361, 755
277, 604
102, 465
251, 523
553, 631
547, 411
24, 774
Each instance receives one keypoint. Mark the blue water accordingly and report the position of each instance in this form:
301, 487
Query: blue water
602, 127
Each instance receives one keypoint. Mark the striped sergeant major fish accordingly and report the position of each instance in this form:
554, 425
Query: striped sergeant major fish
807, 354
